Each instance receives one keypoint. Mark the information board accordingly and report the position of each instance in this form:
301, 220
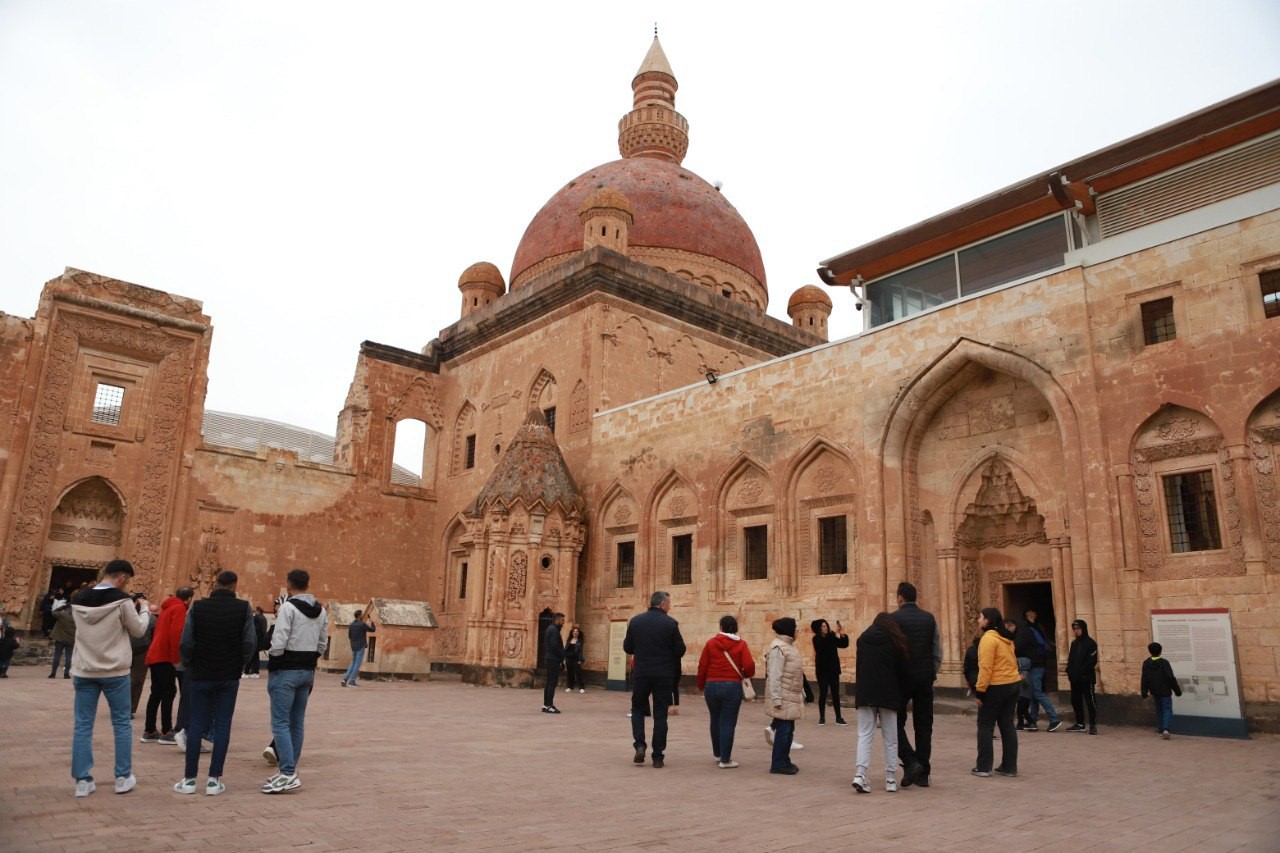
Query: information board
617, 676
1200, 646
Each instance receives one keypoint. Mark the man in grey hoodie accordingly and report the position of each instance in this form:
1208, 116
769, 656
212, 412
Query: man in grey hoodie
106, 617
299, 639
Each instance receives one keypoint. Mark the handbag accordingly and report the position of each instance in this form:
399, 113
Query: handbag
748, 689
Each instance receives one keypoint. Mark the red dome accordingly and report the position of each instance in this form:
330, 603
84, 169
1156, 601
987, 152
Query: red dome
674, 209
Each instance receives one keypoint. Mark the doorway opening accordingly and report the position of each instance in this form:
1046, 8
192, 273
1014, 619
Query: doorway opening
1021, 597
70, 578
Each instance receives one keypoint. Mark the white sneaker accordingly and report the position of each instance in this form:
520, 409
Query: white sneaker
255, 675
185, 786
728, 765
85, 787
797, 746
125, 784
891, 784
213, 787
180, 738
768, 735
861, 784
243, 676
280, 783
568, 690
581, 690
206, 746
270, 755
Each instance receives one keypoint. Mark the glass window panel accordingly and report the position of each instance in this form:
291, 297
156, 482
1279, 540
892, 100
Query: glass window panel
1192, 511
682, 559
913, 291
833, 548
1270, 284
626, 565
1157, 321
756, 546
1025, 252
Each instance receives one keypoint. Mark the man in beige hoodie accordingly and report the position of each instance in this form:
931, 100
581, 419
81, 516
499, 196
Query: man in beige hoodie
106, 617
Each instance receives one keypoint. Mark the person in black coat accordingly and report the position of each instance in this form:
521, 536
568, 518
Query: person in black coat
1159, 681
1033, 643
1082, 673
553, 659
924, 644
653, 639
826, 666
881, 680
574, 656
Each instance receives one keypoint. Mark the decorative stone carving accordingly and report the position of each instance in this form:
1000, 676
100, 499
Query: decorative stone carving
87, 535
826, 479
512, 644
417, 400
1001, 515
208, 563
517, 578
1001, 576
805, 549
579, 408
1268, 496
622, 514
970, 585
448, 642
1177, 428
750, 490
679, 503
991, 415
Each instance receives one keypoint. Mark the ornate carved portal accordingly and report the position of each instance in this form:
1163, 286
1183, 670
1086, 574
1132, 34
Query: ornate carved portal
1001, 515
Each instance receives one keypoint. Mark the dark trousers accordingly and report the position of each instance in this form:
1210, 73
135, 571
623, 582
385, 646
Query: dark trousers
1082, 698
180, 724
575, 680
784, 734
254, 666
211, 701
58, 650
164, 686
920, 697
724, 700
553, 680
998, 707
1024, 711
828, 681
137, 677
46, 624
659, 688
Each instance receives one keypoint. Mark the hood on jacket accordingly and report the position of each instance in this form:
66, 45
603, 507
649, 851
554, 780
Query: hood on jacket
307, 605
1001, 637
723, 641
96, 605
816, 625
1083, 626
172, 601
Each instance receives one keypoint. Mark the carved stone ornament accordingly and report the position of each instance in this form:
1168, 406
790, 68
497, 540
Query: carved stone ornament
679, 503
1002, 576
1268, 497
750, 491
518, 577
1177, 428
826, 479
991, 415
512, 644
970, 587
622, 514
1001, 515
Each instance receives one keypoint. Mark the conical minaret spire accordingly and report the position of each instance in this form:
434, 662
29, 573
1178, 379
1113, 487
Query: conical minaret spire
653, 128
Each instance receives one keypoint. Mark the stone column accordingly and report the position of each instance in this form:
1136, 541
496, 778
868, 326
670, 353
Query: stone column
1241, 461
952, 607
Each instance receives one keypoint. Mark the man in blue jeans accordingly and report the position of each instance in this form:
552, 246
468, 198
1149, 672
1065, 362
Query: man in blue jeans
358, 634
218, 638
106, 617
1031, 642
300, 636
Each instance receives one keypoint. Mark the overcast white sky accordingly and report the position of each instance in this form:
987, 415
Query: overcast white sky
320, 173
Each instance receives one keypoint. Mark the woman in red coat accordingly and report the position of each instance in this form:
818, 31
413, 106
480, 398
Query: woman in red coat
725, 661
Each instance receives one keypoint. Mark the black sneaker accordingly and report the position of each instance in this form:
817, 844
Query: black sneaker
1000, 771
922, 781
639, 759
1077, 728
552, 709
657, 762
789, 770
1030, 727
984, 773
910, 773
1054, 726
822, 722
840, 722
1093, 730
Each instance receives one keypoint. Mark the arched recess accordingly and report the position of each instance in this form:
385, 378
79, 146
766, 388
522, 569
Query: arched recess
86, 531
910, 415
822, 485
416, 458
461, 584
542, 395
671, 515
1263, 435
746, 532
617, 532
1186, 494
463, 440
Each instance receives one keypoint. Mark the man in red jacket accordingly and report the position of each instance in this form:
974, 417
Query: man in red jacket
162, 660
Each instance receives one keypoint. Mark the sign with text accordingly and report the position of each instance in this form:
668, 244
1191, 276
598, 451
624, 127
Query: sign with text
616, 678
1200, 646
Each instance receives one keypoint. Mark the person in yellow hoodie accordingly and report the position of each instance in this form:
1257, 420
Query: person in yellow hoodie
106, 617
997, 693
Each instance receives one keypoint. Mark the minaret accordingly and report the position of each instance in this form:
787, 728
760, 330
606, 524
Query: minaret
653, 128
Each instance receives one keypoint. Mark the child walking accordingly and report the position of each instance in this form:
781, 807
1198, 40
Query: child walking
1159, 681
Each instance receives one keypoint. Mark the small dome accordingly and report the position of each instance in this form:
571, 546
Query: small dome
484, 274
606, 197
808, 295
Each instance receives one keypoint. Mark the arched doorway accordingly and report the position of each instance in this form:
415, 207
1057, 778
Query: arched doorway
85, 534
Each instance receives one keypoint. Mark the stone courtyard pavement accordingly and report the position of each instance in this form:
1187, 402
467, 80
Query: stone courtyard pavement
423, 766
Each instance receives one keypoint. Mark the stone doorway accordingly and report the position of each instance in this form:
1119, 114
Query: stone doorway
71, 577
1018, 598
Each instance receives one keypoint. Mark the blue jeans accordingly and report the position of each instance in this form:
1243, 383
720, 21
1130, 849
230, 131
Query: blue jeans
1038, 697
1164, 713
724, 699
58, 650
289, 690
353, 671
86, 708
216, 699
783, 734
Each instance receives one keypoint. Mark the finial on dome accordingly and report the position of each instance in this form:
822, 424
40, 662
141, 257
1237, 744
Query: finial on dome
653, 128
480, 284
809, 307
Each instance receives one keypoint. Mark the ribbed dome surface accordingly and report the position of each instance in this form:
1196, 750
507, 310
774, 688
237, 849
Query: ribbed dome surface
673, 209
808, 295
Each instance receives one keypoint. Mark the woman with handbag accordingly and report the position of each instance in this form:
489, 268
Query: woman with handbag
724, 677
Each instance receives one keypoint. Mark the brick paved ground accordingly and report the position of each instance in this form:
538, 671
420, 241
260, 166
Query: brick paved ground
419, 766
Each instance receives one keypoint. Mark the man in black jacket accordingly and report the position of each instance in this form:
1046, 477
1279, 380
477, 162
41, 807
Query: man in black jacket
653, 638
217, 641
553, 659
1082, 673
1032, 643
925, 647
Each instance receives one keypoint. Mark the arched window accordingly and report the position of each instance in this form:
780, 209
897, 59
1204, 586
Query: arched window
411, 457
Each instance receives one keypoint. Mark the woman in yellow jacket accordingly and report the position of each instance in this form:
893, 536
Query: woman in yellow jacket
997, 694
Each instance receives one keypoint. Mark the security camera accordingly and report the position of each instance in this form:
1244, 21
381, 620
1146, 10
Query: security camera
857, 303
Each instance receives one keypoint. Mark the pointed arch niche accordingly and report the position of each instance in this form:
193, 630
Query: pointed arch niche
673, 515
617, 534
1185, 490
463, 440
821, 493
86, 531
542, 396
748, 558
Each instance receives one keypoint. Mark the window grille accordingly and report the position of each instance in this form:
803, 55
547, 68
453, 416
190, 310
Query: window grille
108, 401
833, 548
1193, 513
626, 565
471, 452
682, 559
756, 547
1270, 283
1157, 321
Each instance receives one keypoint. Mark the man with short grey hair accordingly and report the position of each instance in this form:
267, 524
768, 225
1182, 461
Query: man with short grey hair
653, 638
